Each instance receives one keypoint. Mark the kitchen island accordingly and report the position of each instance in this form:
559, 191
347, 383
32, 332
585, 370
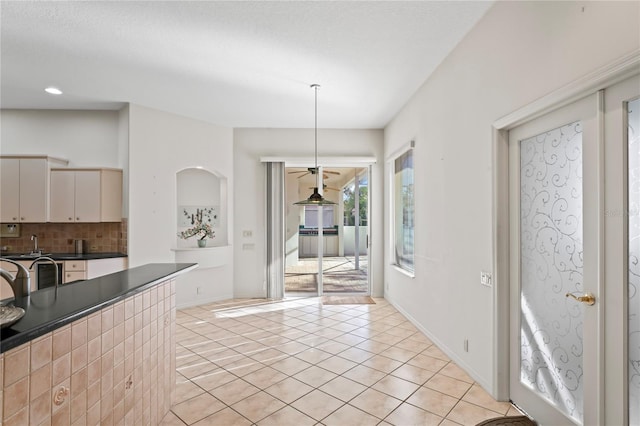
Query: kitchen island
92, 352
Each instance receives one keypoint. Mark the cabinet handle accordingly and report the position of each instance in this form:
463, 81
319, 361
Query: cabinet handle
22, 218
70, 218
15, 218
77, 218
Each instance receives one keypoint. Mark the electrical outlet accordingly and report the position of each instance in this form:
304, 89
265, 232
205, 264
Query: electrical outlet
485, 278
248, 246
247, 234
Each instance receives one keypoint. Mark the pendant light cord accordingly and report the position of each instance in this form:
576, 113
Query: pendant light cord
316, 87
316, 198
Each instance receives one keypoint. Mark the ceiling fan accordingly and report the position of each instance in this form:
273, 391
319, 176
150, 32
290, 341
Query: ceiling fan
328, 188
313, 171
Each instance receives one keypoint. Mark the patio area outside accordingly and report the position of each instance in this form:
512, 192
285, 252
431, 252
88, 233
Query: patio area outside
339, 275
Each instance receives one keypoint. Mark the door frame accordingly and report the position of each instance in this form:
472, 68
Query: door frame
601, 78
336, 162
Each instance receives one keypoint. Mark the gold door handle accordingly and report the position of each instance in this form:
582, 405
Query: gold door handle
588, 298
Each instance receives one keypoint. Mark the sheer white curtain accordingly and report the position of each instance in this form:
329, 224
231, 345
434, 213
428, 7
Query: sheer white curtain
275, 229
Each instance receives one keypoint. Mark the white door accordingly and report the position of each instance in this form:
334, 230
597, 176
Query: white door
574, 191
554, 232
622, 251
632, 111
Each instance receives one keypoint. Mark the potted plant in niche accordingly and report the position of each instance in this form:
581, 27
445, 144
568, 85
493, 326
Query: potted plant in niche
200, 229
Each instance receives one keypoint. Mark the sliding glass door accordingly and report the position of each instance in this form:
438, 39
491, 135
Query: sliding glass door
345, 266
327, 246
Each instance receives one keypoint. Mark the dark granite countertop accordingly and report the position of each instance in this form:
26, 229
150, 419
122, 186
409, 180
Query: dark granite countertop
65, 256
46, 311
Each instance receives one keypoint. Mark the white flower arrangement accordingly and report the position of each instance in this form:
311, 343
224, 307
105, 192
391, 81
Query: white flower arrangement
200, 229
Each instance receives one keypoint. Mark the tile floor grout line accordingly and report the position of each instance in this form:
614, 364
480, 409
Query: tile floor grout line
376, 325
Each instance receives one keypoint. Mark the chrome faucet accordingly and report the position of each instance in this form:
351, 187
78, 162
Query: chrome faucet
21, 283
55, 264
36, 251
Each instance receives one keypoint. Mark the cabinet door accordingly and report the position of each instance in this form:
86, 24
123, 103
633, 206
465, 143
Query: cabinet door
331, 245
33, 190
87, 196
100, 267
62, 196
111, 196
306, 246
75, 265
74, 276
9, 190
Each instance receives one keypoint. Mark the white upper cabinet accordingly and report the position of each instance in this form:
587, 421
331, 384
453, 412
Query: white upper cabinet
9, 190
24, 188
89, 195
63, 192
86, 195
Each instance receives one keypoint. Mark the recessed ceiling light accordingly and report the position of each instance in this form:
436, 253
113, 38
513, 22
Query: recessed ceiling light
53, 91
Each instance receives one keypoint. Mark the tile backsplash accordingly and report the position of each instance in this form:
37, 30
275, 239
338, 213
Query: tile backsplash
58, 237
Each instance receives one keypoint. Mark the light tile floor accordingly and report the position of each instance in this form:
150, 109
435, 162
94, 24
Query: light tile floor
297, 362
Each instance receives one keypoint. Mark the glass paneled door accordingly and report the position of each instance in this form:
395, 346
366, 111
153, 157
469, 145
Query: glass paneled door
327, 246
346, 260
622, 246
574, 191
633, 171
553, 209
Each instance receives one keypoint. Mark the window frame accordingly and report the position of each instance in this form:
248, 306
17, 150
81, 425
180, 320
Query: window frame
407, 268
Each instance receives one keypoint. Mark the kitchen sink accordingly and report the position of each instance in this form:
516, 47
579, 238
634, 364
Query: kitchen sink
34, 256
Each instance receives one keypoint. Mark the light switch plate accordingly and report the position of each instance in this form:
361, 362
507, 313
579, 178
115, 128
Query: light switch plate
485, 278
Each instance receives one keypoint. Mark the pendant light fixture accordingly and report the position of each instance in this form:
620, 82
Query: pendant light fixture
315, 199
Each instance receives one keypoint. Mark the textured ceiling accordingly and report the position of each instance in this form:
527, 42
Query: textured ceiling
237, 64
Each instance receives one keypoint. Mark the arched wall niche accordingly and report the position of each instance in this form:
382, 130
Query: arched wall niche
204, 191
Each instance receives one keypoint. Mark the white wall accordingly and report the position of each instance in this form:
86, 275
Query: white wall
517, 53
123, 156
160, 145
85, 138
249, 146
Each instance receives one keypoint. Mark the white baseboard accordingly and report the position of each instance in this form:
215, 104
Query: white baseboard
444, 348
204, 301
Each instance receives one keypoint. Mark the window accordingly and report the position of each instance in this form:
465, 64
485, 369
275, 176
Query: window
311, 216
403, 207
349, 200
